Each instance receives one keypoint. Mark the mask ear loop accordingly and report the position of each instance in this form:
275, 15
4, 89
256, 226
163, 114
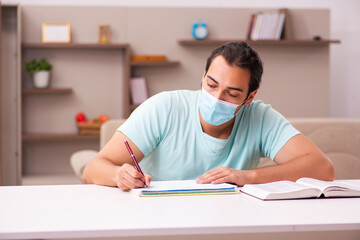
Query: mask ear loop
242, 104
247, 97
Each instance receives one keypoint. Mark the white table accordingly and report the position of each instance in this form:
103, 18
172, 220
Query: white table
81, 211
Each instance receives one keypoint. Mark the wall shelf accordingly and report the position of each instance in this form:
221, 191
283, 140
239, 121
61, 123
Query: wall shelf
56, 137
46, 91
154, 63
125, 47
77, 45
293, 42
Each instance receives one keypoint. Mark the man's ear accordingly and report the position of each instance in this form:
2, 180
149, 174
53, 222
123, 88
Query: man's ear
203, 78
251, 97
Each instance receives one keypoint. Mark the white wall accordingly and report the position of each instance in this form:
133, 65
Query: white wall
345, 19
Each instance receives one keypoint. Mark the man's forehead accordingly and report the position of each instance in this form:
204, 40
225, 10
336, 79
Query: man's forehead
220, 70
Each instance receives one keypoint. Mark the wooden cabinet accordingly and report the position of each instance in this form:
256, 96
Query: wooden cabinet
46, 143
36, 138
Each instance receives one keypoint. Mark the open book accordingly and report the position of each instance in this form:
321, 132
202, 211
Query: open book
302, 188
183, 187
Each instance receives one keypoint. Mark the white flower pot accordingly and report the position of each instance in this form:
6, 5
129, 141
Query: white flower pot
42, 79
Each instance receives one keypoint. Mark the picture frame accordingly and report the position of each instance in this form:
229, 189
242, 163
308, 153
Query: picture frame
56, 33
104, 34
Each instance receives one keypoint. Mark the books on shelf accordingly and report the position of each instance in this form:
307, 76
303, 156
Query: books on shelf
302, 188
184, 187
139, 92
146, 58
267, 25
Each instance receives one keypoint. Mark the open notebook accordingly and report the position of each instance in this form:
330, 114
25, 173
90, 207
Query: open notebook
183, 187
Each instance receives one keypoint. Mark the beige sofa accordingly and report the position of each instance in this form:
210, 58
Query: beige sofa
339, 139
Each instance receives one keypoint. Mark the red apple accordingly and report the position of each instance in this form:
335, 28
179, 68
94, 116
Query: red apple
103, 118
80, 117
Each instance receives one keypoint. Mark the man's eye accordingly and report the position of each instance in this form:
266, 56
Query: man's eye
231, 95
212, 86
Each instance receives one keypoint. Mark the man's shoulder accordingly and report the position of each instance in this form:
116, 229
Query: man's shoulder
176, 94
168, 101
176, 97
180, 94
258, 106
258, 111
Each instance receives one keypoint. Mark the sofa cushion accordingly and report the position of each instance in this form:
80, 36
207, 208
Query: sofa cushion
339, 139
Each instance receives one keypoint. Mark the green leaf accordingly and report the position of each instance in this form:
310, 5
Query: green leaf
34, 65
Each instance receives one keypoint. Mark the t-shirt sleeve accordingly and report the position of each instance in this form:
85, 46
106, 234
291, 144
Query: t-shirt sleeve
275, 133
147, 124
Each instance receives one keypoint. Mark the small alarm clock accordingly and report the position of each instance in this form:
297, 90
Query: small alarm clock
200, 30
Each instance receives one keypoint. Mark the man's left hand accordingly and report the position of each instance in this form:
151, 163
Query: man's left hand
224, 175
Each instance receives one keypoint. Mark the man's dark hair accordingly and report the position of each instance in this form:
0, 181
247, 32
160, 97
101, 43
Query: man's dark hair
242, 55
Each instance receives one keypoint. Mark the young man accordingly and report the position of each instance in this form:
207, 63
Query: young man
214, 135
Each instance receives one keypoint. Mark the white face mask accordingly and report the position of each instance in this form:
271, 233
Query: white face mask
215, 111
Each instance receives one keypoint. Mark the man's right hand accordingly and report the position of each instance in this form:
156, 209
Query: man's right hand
113, 165
127, 177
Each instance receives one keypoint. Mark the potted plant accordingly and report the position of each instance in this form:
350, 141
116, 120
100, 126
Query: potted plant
41, 72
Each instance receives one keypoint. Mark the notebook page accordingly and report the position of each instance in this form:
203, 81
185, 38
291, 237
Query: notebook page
181, 185
279, 187
322, 185
280, 190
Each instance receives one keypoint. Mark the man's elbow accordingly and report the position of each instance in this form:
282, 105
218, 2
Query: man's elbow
328, 170
84, 179
85, 175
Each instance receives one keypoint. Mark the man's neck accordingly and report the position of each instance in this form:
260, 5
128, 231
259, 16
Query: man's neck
222, 131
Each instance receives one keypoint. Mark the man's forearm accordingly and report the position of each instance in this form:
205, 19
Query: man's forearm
100, 171
310, 165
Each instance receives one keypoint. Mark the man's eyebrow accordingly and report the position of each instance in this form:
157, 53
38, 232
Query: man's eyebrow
211, 78
232, 88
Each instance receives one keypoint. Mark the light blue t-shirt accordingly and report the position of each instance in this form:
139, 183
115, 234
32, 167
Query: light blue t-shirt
167, 130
